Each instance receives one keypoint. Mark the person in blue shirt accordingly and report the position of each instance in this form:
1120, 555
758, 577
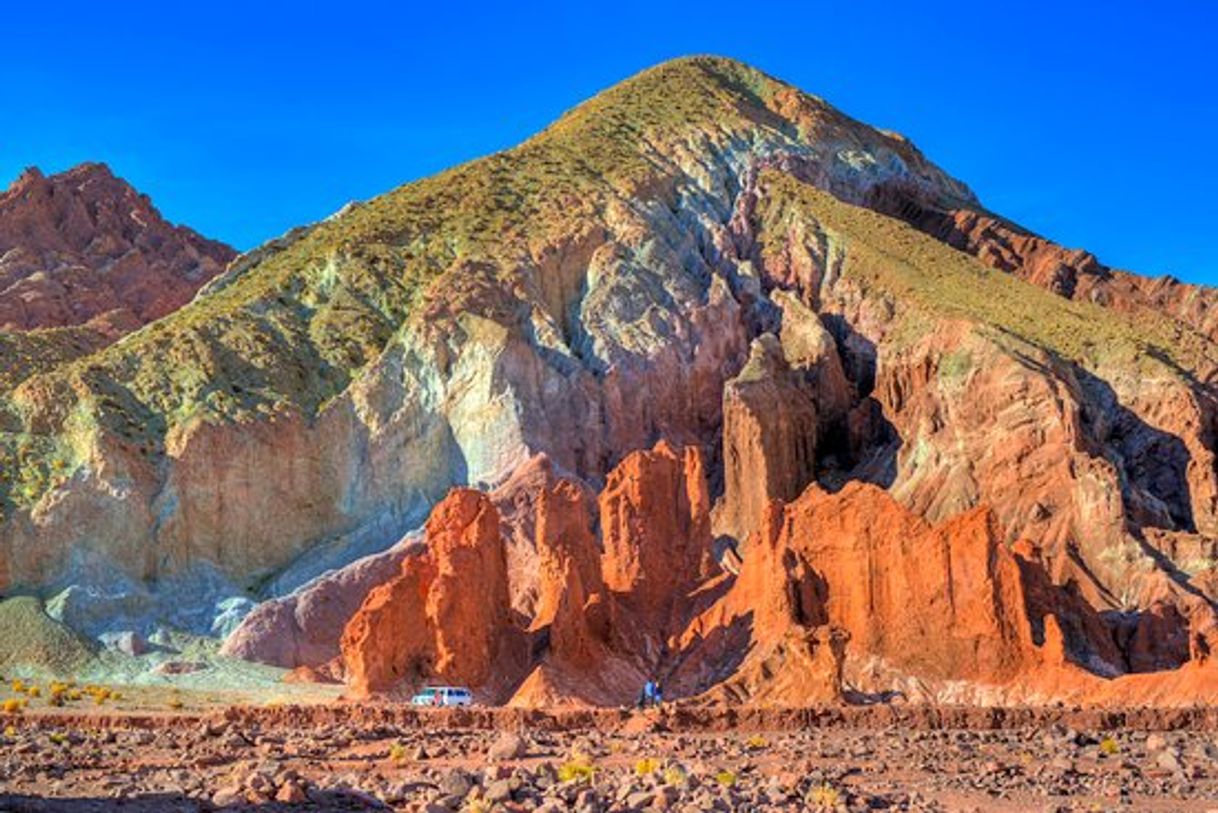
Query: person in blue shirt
652, 694
647, 698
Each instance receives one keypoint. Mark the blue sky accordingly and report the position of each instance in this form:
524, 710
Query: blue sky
1094, 127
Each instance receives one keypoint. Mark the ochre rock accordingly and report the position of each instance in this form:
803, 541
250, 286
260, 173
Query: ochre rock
811, 350
942, 601
946, 602
836, 590
518, 500
572, 600
766, 640
303, 627
429, 621
655, 524
389, 639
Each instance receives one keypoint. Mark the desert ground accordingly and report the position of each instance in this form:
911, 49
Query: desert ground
158, 749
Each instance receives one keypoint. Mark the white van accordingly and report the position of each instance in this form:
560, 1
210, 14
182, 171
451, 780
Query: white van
444, 696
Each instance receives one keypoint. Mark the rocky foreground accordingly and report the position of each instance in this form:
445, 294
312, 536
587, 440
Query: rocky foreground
338, 758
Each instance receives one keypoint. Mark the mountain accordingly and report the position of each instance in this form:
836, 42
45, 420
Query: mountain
1010, 444
84, 246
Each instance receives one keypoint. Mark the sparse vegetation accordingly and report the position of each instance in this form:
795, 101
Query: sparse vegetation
676, 776
577, 769
824, 797
646, 766
926, 276
756, 742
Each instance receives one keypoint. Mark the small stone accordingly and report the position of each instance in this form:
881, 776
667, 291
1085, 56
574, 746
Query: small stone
507, 746
500, 791
456, 783
291, 793
226, 797
1168, 761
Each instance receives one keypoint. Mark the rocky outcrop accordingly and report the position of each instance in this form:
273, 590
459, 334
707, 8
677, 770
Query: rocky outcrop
811, 351
770, 428
945, 612
767, 639
655, 526
531, 562
427, 622
840, 595
577, 664
946, 601
573, 601
83, 246
602, 618
1053, 449
302, 627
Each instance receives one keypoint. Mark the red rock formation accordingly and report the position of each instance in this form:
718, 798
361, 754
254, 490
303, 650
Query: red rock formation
940, 603
655, 522
831, 583
303, 628
766, 640
518, 500
446, 615
578, 665
770, 428
947, 601
572, 596
84, 246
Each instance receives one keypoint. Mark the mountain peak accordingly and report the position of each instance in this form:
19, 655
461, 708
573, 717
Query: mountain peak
84, 243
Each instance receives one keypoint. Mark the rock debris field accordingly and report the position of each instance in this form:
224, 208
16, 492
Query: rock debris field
365, 757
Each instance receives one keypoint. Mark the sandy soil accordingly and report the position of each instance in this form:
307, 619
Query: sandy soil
154, 750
